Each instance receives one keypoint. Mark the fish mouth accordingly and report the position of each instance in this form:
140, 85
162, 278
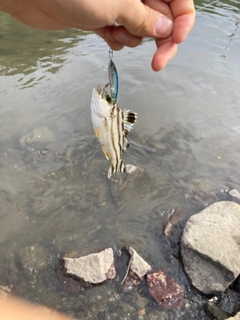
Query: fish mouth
101, 91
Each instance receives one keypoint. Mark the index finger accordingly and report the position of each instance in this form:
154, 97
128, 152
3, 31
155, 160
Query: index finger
184, 17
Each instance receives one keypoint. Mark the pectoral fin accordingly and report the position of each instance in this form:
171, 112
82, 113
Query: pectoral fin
129, 118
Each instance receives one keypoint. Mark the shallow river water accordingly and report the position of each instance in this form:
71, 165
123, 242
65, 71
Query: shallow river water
55, 197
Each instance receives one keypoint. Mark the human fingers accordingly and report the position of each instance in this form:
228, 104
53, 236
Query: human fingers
143, 21
184, 17
166, 50
118, 37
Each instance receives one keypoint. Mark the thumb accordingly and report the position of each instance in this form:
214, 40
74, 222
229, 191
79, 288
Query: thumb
144, 21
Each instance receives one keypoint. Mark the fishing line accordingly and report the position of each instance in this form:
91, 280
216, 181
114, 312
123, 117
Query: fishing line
207, 5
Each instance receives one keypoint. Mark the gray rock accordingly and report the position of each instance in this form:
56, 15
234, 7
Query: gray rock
94, 268
130, 168
234, 193
236, 317
39, 135
210, 247
139, 266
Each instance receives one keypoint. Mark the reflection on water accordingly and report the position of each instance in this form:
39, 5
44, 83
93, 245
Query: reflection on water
55, 197
31, 54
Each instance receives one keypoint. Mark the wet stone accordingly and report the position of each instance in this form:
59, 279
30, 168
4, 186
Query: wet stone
39, 135
210, 248
175, 218
234, 193
164, 290
131, 282
67, 283
215, 313
137, 264
93, 268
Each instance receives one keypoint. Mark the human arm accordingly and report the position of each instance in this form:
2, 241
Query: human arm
14, 309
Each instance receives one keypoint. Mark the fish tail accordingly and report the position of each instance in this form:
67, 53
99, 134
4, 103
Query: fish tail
116, 167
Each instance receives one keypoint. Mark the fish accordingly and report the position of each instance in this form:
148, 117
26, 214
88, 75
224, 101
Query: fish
113, 81
111, 125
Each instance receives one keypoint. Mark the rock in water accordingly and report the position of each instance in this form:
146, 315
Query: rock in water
210, 247
165, 290
93, 268
234, 193
39, 135
139, 266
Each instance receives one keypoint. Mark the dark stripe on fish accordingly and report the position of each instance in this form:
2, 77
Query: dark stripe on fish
112, 133
118, 128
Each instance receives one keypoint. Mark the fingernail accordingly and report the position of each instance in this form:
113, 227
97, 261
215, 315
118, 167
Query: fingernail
123, 37
163, 26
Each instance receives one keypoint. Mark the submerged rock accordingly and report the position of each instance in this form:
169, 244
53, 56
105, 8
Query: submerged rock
210, 247
67, 284
164, 290
39, 135
214, 312
131, 282
136, 270
33, 258
174, 220
137, 264
93, 268
234, 193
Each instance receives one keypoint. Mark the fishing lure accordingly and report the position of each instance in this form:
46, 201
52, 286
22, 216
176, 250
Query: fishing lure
113, 78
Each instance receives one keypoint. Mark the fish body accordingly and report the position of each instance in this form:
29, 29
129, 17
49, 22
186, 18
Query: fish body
111, 125
113, 81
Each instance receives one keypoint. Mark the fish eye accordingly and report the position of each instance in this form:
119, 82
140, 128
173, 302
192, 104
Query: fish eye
108, 98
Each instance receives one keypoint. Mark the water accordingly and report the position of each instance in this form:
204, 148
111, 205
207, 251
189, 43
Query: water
55, 197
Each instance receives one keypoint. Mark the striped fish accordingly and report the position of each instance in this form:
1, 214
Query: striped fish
111, 125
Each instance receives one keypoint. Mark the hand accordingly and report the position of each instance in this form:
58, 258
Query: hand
168, 22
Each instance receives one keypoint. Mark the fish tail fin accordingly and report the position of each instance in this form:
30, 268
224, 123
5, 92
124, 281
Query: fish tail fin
117, 167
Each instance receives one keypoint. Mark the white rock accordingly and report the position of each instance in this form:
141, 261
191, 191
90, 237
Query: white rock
210, 247
39, 135
137, 264
234, 193
94, 268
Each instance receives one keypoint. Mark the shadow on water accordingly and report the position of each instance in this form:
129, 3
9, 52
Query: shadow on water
55, 197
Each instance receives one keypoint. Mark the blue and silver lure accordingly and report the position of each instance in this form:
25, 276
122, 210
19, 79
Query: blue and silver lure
111, 124
113, 78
